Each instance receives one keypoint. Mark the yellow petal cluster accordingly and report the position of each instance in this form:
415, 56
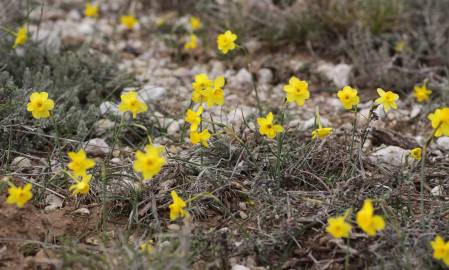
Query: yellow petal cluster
297, 91
19, 195
387, 99
267, 127
367, 221
177, 207
130, 103
40, 105
226, 42
440, 121
150, 162
348, 97
440, 249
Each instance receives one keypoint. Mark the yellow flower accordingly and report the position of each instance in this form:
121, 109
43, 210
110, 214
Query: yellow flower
82, 186
192, 43
147, 247
215, 96
266, 126
338, 227
387, 99
79, 163
150, 162
321, 133
399, 46
440, 249
348, 97
422, 93
19, 196
130, 103
226, 42
201, 87
91, 10
297, 91
200, 137
21, 37
177, 207
440, 121
40, 105
195, 23
129, 21
416, 153
194, 118
369, 222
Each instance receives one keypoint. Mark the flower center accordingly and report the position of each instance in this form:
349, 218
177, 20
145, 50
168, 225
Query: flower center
149, 162
39, 104
269, 126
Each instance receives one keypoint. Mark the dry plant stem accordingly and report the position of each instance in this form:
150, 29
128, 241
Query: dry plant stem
347, 255
253, 83
354, 131
115, 138
422, 177
280, 143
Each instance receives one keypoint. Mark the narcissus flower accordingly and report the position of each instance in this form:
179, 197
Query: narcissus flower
422, 93
91, 10
18, 195
201, 86
267, 128
297, 91
348, 97
177, 207
194, 118
150, 162
369, 222
40, 105
79, 163
200, 137
440, 121
129, 21
440, 249
387, 99
192, 43
147, 247
416, 153
338, 227
130, 103
321, 133
226, 42
215, 96
81, 187
399, 46
195, 23
21, 37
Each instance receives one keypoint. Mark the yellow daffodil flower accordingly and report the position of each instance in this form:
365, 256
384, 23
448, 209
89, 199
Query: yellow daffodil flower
387, 99
267, 128
82, 186
348, 97
195, 23
215, 95
129, 21
18, 195
369, 222
194, 118
192, 43
422, 93
226, 42
321, 133
338, 227
150, 162
79, 163
177, 207
201, 87
21, 37
440, 249
91, 10
416, 153
147, 247
297, 91
130, 103
40, 105
200, 137
440, 121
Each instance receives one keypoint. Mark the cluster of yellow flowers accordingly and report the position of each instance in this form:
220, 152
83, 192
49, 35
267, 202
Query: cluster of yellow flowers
338, 227
192, 42
79, 164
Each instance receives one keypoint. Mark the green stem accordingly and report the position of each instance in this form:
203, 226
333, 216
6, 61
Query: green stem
280, 144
